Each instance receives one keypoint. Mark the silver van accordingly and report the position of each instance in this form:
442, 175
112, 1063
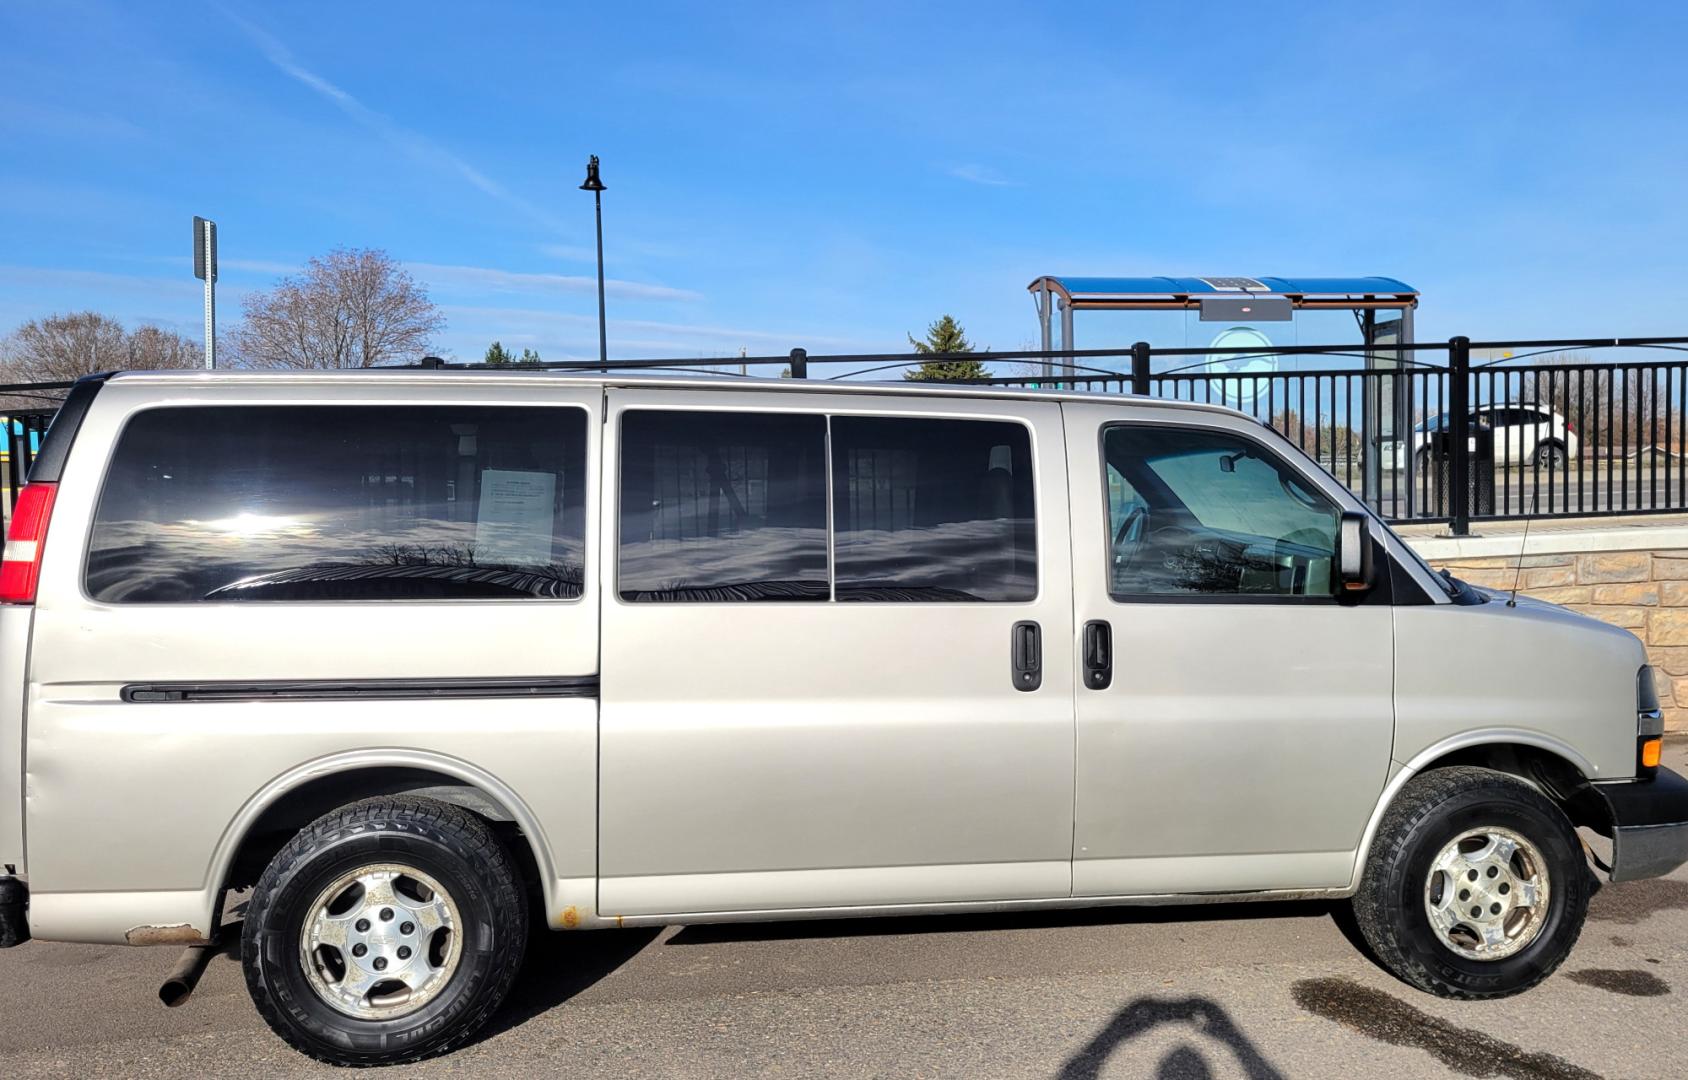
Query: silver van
416, 655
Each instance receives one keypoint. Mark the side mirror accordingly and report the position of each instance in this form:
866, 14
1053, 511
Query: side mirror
1354, 552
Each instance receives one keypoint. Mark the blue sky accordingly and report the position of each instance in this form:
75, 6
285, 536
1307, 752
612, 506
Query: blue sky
834, 176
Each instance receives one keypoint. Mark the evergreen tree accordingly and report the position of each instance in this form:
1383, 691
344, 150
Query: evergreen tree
945, 336
496, 353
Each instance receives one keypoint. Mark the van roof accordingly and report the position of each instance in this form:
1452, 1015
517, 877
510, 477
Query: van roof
418, 376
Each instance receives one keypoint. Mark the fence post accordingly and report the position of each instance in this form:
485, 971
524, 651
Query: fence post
800, 363
1140, 369
1459, 434
14, 466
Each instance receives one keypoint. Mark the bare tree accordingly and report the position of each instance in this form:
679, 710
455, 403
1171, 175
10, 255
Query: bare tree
1629, 407
1323, 437
153, 348
59, 348
351, 308
65, 347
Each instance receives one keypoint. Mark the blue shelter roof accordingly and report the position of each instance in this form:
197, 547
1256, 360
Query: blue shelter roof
1079, 290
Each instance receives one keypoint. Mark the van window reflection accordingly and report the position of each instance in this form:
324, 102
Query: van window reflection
722, 506
342, 502
932, 510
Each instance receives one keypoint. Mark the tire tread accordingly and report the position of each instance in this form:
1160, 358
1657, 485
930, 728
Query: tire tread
1422, 798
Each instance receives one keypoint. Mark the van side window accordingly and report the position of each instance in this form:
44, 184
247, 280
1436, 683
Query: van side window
723, 506
1212, 514
342, 502
932, 510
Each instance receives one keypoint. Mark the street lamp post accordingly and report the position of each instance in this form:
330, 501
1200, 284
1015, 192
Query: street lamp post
596, 187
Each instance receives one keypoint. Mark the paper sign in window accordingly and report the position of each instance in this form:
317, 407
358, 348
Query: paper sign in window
516, 514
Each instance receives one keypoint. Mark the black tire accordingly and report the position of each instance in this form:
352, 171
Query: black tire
445, 842
1551, 456
1430, 811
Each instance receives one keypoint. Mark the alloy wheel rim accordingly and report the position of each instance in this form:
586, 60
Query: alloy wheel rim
1487, 893
381, 941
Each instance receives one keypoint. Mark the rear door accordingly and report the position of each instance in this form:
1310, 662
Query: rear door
814, 608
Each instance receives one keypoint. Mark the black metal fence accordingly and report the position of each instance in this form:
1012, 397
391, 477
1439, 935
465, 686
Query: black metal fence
1459, 432
1556, 428
23, 432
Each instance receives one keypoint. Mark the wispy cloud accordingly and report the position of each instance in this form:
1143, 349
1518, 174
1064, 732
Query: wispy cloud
569, 252
94, 283
495, 280
624, 246
982, 174
418, 146
258, 266
66, 124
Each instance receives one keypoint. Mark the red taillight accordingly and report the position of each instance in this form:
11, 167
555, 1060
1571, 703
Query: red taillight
20, 569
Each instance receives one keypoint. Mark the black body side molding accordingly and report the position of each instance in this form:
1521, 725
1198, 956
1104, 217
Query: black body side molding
362, 689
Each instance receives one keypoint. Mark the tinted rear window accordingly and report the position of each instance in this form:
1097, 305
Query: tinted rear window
723, 506
932, 510
326, 503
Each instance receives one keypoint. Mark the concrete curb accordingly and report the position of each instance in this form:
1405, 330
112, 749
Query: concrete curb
1632, 538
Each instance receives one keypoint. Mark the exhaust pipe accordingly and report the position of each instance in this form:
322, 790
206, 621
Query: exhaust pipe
178, 985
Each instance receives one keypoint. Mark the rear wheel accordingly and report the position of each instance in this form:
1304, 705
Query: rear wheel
1475, 887
387, 931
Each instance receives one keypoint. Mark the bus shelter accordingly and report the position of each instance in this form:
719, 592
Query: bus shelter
1382, 308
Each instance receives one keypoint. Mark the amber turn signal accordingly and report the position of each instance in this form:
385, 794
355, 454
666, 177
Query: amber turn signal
1650, 753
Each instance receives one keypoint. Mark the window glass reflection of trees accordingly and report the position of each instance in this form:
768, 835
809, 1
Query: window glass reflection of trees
342, 503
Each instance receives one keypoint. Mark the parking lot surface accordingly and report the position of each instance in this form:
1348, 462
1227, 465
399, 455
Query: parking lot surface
1255, 990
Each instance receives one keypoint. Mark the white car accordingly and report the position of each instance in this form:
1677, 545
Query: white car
1524, 435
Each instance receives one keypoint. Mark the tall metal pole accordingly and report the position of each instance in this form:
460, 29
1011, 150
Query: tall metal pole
210, 310
1459, 420
1371, 420
1045, 312
595, 185
1067, 338
603, 336
205, 268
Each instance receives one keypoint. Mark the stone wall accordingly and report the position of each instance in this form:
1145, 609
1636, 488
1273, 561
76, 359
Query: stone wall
1645, 592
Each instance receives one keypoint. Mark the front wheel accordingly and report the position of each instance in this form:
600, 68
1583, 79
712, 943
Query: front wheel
387, 931
1475, 887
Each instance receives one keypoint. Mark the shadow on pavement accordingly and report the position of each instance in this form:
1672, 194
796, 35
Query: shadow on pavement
560, 965
1202, 1017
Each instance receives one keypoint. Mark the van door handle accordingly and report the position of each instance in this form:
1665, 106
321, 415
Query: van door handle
1098, 654
1025, 648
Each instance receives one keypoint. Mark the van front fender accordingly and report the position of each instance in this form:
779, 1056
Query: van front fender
1498, 738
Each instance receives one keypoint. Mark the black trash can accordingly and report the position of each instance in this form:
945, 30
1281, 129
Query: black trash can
1480, 475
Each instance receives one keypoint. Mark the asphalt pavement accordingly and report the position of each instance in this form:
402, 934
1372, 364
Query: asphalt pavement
1260, 990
